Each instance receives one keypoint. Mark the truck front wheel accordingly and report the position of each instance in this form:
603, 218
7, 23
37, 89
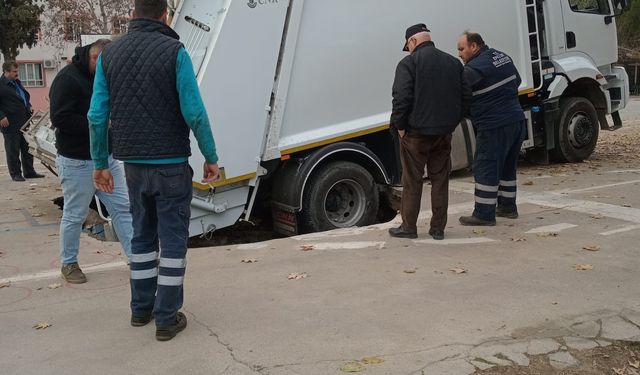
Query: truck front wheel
577, 130
339, 195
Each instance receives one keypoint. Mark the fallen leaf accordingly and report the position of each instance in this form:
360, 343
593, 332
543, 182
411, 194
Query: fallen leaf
597, 217
528, 183
548, 234
618, 371
584, 267
306, 247
37, 214
635, 364
54, 286
42, 326
250, 260
99, 251
413, 270
519, 239
33, 184
459, 270
626, 205
478, 232
591, 248
5, 284
352, 367
372, 360
297, 276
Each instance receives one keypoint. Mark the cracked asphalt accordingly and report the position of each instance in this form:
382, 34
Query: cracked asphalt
365, 294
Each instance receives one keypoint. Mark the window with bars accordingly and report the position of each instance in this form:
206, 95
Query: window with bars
119, 25
31, 74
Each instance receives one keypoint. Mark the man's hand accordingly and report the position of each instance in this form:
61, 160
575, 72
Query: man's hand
402, 133
4, 122
103, 180
211, 173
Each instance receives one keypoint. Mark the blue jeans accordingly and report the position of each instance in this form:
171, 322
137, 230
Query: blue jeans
76, 178
161, 206
495, 169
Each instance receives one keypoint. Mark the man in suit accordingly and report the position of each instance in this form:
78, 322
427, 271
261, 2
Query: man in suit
15, 110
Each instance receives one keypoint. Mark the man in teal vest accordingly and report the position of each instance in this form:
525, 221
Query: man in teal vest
146, 86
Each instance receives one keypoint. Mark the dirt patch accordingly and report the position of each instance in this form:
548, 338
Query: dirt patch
621, 358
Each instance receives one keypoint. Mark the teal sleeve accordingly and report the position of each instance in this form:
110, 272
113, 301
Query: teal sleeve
192, 107
98, 117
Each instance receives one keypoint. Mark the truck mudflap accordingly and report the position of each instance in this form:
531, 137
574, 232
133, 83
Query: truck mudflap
285, 219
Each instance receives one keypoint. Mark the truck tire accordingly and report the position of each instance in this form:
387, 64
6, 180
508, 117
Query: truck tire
339, 195
577, 130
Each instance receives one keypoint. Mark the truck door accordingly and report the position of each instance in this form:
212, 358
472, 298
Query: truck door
586, 30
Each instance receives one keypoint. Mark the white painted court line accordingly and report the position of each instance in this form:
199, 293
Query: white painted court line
347, 245
456, 241
621, 230
51, 274
552, 228
599, 187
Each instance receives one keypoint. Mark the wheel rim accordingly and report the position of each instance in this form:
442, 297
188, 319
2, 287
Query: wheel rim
580, 130
345, 203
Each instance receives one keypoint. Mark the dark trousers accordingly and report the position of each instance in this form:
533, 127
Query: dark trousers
495, 169
416, 152
160, 198
17, 148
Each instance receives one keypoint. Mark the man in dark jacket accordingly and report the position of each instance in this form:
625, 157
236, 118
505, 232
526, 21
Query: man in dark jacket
429, 99
15, 110
70, 97
500, 128
146, 85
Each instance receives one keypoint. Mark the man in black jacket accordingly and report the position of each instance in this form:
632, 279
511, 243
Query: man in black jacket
15, 110
70, 97
429, 98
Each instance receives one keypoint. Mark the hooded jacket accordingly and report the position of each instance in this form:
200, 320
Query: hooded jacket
70, 97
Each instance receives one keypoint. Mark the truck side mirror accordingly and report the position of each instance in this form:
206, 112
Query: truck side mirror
620, 6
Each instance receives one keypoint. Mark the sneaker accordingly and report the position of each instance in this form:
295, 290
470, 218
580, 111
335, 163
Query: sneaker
141, 321
476, 222
402, 233
508, 213
169, 332
437, 234
72, 273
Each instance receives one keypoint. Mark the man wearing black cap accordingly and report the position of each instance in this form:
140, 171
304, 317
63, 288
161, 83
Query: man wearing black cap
430, 96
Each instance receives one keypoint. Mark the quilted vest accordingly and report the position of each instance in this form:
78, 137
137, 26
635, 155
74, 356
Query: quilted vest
140, 71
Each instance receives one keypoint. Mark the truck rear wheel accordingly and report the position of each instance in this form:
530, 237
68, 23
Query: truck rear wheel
339, 195
577, 130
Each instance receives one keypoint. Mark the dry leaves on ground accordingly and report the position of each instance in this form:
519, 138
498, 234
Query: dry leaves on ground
584, 267
478, 232
411, 270
597, 217
306, 247
297, 276
372, 360
249, 260
459, 270
54, 286
592, 247
519, 239
5, 284
548, 234
352, 367
635, 364
528, 183
42, 325
37, 214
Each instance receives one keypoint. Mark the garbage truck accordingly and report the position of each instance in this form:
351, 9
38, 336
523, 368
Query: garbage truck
299, 94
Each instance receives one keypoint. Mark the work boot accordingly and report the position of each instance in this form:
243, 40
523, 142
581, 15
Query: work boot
402, 233
170, 331
501, 211
141, 321
72, 273
437, 234
18, 178
33, 175
473, 221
